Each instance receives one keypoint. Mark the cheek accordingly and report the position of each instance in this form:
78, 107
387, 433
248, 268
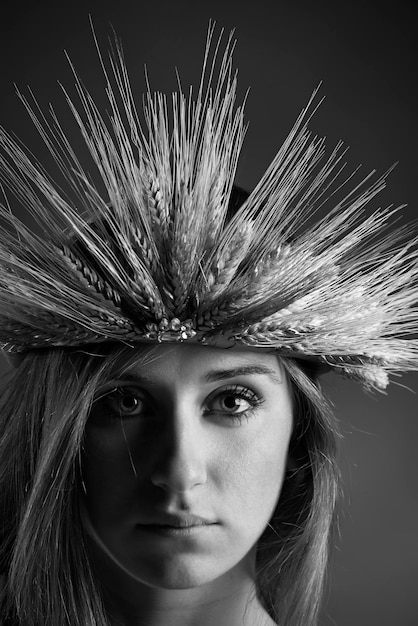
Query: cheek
108, 473
253, 474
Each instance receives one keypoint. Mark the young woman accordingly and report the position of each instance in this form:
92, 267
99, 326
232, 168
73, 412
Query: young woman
166, 454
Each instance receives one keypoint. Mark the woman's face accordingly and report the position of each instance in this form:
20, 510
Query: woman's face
184, 459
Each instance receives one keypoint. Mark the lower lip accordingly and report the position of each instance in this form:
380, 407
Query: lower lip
175, 531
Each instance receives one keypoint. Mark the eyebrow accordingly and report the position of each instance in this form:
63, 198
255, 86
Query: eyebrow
215, 375
135, 378
244, 370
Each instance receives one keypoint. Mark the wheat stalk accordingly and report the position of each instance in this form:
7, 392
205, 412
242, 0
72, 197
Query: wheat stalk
146, 253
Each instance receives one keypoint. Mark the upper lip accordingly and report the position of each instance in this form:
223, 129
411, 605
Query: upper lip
176, 520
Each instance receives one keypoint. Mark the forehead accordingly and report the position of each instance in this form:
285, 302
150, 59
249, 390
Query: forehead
172, 361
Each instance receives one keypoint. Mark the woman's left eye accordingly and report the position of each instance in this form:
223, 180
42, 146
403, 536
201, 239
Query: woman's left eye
234, 401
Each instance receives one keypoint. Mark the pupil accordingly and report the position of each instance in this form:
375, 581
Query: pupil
129, 402
230, 402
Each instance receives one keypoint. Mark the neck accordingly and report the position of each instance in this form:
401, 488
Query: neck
191, 608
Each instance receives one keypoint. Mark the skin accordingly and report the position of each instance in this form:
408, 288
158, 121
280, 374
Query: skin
195, 430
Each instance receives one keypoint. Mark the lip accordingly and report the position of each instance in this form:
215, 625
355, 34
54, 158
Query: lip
158, 530
177, 521
176, 525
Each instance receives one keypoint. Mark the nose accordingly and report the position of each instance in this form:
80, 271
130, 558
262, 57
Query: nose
180, 465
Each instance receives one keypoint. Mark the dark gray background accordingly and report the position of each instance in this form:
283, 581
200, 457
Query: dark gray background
365, 57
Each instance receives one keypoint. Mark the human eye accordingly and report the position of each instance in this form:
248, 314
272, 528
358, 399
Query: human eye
122, 402
235, 401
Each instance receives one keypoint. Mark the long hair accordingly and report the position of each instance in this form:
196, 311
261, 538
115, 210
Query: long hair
292, 555
49, 581
43, 411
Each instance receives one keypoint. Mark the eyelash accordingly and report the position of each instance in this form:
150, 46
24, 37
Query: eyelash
243, 393
118, 393
237, 391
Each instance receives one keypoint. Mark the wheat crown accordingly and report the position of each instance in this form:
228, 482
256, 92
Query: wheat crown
150, 253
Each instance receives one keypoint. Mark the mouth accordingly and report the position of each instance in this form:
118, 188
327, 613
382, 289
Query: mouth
177, 525
176, 531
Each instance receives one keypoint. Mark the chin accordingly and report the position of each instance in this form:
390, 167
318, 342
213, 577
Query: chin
180, 572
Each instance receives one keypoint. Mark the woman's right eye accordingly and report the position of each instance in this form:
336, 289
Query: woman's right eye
124, 402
